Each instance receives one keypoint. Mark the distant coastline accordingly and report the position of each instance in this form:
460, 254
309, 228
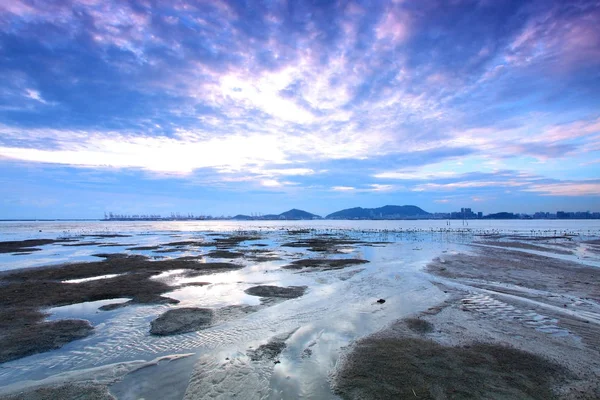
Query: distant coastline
385, 213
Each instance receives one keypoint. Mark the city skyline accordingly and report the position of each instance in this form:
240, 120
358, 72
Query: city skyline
235, 107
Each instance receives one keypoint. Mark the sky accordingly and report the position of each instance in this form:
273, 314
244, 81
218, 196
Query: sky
227, 107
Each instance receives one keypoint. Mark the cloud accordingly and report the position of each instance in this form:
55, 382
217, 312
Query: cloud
432, 96
370, 188
570, 189
564, 33
343, 188
186, 151
415, 175
35, 95
465, 185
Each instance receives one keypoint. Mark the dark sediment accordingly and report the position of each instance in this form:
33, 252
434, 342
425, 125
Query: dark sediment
419, 325
191, 319
23, 293
114, 264
28, 246
270, 350
234, 240
174, 250
182, 320
408, 368
81, 244
40, 336
325, 264
144, 248
73, 391
221, 243
328, 244
224, 254
289, 292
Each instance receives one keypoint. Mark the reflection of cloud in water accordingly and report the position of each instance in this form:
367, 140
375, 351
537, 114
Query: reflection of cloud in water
87, 310
214, 295
93, 278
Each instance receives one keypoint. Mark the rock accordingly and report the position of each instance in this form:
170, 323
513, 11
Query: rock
381, 301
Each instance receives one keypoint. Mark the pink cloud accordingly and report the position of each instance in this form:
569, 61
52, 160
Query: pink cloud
570, 41
571, 189
394, 26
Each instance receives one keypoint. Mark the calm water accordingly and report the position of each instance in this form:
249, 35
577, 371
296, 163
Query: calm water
29, 230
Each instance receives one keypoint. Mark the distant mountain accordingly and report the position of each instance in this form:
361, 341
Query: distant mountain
293, 214
242, 217
501, 215
385, 212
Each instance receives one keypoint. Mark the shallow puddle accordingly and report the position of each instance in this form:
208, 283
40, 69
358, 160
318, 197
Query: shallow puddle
88, 310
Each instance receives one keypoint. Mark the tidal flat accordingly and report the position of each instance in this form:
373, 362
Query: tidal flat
284, 311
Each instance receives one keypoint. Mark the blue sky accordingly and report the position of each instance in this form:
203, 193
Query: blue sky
227, 107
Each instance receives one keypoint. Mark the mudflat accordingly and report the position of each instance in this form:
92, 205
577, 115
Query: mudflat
25, 293
515, 325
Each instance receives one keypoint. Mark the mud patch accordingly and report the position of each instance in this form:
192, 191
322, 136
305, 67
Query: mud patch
403, 368
23, 293
41, 337
144, 248
81, 244
28, 246
289, 292
324, 264
224, 254
328, 244
67, 391
234, 240
270, 350
419, 325
192, 319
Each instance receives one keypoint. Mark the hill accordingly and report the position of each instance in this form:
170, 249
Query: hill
385, 212
293, 214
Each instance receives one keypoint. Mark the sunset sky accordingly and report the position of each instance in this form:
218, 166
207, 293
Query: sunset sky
227, 107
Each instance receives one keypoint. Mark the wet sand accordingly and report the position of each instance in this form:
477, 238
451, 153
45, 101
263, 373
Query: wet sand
515, 325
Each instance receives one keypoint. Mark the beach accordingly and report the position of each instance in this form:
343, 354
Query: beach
328, 310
